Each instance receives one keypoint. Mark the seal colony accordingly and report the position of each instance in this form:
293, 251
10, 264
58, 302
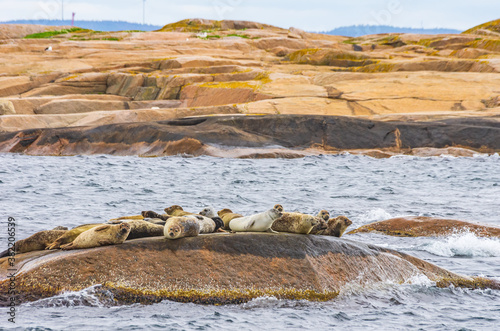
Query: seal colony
177, 223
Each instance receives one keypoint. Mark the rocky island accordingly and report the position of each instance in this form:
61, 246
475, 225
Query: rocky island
243, 90
234, 88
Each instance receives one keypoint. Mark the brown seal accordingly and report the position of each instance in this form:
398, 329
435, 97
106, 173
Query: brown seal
176, 210
180, 227
70, 235
35, 242
295, 223
323, 216
336, 226
103, 235
227, 215
152, 214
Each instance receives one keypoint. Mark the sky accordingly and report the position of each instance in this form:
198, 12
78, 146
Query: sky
309, 15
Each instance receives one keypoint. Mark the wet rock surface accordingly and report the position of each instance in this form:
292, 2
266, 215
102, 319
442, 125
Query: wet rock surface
198, 135
418, 226
221, 268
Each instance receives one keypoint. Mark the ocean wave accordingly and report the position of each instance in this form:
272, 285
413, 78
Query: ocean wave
465, 244
93, 296
373, 215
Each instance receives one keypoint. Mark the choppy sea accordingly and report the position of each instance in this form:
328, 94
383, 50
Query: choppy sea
42, 192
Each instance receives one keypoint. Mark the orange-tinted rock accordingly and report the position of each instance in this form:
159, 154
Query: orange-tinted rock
220, 268
220, 94
492, 27
426, 227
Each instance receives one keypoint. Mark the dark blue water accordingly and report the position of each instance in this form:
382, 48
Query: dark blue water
42, 192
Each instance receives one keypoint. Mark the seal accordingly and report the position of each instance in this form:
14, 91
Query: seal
295, 223
176, 210
255, 223
100, 236
152, 214
324, 215
336, 226
180, 227
278, 207
142, 229
35, 242
227, 215
322, 225
210, 213
207, 225
71, 235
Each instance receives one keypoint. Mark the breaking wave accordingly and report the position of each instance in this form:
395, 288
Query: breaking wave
465, 244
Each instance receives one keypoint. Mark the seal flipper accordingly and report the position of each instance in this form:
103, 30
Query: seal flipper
67, 247
101, 228
152, 214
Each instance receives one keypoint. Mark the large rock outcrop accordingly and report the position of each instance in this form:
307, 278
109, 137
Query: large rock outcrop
419, 226
221, 268
198, 135
204, 67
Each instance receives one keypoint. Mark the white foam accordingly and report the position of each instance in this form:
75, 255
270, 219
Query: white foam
420, 280
85, 297
463, 244
373, 215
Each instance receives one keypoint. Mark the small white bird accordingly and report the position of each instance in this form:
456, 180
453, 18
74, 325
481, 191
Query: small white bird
48, 49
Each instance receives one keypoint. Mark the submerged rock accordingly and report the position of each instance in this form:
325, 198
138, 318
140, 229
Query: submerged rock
426, 227
220, 269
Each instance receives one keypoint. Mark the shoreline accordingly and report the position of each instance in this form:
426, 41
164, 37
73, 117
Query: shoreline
263, 136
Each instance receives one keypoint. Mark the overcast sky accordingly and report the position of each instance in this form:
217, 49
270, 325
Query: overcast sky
311, 15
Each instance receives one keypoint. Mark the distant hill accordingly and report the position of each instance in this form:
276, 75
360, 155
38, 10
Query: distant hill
93, 25
492, 27
362, 30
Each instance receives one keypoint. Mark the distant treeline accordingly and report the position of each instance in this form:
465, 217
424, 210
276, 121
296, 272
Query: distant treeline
361, 30
93, 25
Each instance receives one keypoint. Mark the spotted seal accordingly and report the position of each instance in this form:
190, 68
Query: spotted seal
179, 227
295, 223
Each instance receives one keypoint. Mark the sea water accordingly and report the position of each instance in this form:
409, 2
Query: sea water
43, 192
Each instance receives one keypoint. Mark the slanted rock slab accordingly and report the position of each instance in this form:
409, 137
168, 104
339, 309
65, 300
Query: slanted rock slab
220, 269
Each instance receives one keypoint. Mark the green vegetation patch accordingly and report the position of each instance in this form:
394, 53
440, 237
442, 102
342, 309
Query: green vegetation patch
49, 34
210, 36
